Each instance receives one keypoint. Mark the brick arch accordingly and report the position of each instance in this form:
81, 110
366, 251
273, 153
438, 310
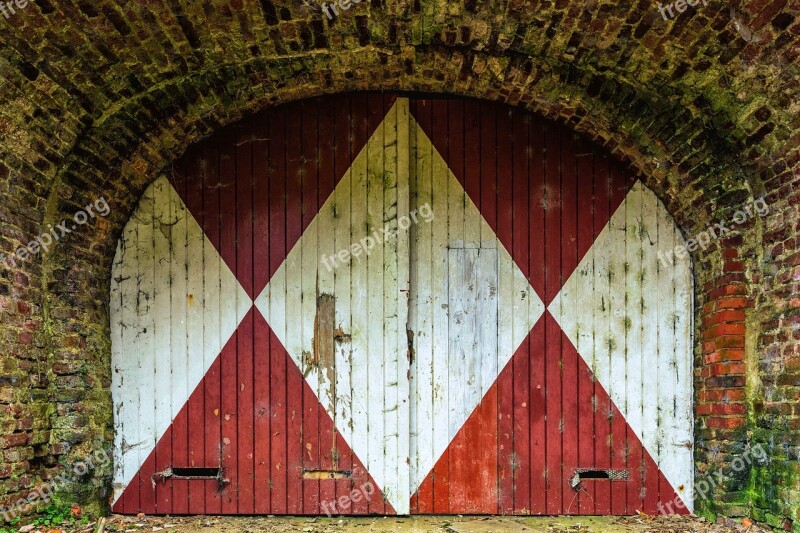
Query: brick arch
142, 175
678, 150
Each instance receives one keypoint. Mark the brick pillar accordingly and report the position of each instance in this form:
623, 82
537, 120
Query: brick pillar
721, 378
721, 400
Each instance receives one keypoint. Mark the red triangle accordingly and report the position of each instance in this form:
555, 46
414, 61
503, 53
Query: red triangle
255, 415
516, 453
545, 192
256, 186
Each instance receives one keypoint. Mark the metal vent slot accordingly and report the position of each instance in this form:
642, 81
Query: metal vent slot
327, 474
196, 473
582, 474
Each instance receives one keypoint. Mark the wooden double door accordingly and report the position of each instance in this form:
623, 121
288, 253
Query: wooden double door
371, 304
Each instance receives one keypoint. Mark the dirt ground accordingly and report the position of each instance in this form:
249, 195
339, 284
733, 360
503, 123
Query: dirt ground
444, 524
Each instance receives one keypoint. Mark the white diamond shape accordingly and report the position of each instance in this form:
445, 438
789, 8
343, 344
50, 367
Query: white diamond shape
470, 310
174, 306
621, 300
499, 307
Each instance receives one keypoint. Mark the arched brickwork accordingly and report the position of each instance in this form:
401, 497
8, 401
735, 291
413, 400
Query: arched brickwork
99, 100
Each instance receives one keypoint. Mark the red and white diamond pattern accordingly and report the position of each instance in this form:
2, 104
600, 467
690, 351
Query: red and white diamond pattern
399, 433
148, 292
628, 322
494, 309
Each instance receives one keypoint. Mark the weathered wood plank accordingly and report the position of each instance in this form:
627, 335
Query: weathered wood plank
277, 314
299, 313
538, 391
518, 220
421, 320
588, 445
402, 287
146, 337
571, 218
343, 158
262, 434
553, 283
369, 208
599, 330
312, 314
162, 307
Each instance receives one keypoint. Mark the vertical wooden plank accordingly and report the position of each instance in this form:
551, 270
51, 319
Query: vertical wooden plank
570, 219
681, 368
191, 299
368, 196
473, 313
538, 390
462, 336
314, 413
243, 182
520, 220
647, 235
145, 306
578, 426
402, 288
388, 195
278, 372
413, 317
633, 341
343, 140
451, 127
447, 123
489, 169
204, 419
587, 406
675, 362
485, 494
503, 184
362, 366
261, 341
137, 433
444, 124
460, 457
665, 344
130, 269
422, 413
473, 131
454, 465
602, 419
553, 374
161, 301
418, 497
179, 323
215, 293
613, 270
117, 306
310, 296
438, 176
296, 310
326, 133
